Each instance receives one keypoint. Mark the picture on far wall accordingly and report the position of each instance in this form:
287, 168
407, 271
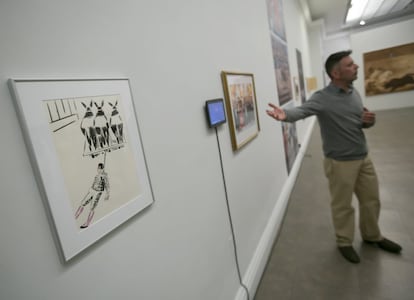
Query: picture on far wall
311, 84
302, 91
86, 152
290, 142
241, 107
282, 71
275, 16
296, 88
389, 70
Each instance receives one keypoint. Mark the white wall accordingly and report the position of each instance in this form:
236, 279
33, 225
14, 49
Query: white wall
316, 35
173, 53
376, 39
332, 44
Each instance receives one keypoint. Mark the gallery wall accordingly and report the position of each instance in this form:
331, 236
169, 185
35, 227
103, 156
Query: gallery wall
172, 52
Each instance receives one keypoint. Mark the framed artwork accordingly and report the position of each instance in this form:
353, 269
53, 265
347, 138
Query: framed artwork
389, 70
241, 106
311, 84
275, 17
86, 151
290, 142
296, 87
301, 77
282, 70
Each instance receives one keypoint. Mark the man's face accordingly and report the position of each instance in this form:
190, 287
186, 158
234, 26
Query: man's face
347, 70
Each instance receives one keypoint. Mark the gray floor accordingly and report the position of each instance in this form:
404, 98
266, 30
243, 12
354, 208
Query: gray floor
305, 263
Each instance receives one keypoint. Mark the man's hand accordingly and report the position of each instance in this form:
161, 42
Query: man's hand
276, 112
368, 118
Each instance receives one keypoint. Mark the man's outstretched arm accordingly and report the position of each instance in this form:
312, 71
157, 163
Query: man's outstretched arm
276, 112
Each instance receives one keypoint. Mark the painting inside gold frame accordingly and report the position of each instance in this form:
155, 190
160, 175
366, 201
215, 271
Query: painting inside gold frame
389, 70
241, 107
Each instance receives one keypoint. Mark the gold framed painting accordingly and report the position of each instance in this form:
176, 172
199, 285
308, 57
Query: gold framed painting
241, 107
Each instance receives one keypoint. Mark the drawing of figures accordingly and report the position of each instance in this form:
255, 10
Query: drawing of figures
116, 124
99, 186
103, 130
100, 122
87, 127
90, 131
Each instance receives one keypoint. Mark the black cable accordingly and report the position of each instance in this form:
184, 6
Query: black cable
230, 219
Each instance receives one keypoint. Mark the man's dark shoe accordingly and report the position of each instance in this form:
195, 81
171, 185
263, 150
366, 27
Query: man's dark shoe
386, 245
349, 253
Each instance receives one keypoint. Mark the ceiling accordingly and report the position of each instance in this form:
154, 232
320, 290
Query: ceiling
333, 13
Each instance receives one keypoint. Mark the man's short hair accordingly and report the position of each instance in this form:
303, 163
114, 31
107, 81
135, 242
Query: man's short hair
334, 59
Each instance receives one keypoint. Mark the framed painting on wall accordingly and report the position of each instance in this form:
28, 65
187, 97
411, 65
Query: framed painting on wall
276, 18
282, 70
290, 141
86, 151
301, 77
241, 107
389, 70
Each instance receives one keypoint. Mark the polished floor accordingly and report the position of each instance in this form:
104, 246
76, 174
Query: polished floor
305, 263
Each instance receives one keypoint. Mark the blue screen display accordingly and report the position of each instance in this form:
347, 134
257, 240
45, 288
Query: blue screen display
215, 112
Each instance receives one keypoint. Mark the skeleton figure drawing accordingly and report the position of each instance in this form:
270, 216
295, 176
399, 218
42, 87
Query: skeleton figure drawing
100, 185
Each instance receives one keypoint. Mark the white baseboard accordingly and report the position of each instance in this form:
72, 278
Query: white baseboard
241, 294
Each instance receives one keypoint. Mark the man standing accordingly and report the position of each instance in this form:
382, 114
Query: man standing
348, 167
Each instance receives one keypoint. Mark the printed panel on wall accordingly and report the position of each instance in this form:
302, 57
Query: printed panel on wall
282, 70
290, 142
302, 91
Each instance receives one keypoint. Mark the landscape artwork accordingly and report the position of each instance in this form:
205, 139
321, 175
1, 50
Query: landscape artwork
389, 70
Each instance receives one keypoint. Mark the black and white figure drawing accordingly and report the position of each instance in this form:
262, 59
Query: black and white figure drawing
86, 151
89, 136
116, 125
101, 133
99, 186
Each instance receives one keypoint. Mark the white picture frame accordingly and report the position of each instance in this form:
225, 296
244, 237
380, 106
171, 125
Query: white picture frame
78, 160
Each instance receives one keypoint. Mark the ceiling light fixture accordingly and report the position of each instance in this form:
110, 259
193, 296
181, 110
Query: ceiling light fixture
355, 10
366, 9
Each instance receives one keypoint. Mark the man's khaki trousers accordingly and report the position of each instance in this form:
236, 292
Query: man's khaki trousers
345, 179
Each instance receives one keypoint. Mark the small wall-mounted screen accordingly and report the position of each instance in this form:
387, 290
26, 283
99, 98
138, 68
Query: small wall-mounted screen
216, 114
